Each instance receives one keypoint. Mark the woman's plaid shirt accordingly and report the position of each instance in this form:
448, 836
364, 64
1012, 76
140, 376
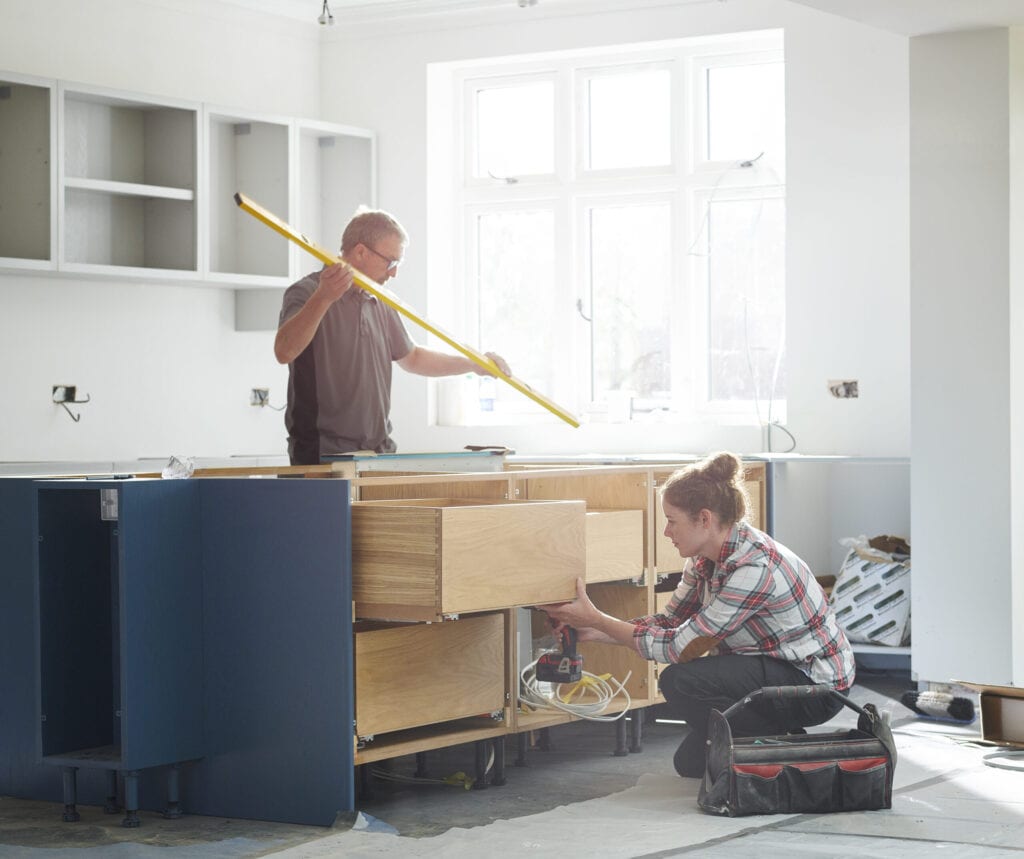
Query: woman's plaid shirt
758, 599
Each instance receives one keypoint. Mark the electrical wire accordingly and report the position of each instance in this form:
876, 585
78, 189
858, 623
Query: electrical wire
989, 759
456, 779
597, 686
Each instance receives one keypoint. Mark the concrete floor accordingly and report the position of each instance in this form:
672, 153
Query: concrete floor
577, 799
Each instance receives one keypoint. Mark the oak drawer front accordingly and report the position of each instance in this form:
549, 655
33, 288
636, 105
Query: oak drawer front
421, 674
422, 559
615, 545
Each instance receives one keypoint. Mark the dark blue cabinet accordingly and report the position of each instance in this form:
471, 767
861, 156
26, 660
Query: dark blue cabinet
146, 624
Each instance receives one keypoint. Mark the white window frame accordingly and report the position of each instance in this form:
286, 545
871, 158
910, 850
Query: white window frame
572, 190
700, 199
582, 78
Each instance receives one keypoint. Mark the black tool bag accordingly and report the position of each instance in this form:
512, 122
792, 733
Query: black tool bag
798, 773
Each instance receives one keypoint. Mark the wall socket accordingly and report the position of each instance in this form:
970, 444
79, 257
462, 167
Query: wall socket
843, 389
259, 397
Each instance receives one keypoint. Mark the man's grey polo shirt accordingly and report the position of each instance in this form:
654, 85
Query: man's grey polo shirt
339, 388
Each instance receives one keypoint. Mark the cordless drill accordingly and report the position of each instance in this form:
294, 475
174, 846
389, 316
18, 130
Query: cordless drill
564, 667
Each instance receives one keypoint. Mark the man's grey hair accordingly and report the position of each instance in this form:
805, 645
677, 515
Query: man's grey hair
369, 227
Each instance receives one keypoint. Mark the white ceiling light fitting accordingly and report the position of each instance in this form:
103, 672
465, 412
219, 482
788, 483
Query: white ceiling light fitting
325, 16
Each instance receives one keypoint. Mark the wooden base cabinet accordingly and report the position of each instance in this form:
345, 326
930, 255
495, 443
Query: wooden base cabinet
412, 675
423, 559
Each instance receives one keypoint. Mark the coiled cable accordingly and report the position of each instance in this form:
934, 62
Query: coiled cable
595, 692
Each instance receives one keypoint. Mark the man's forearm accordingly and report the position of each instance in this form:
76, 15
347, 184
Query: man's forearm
297, 333
427, 362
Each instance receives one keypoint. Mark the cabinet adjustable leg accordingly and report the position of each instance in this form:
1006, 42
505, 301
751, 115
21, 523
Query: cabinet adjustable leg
421, 766
498, 778
544, 739
111, 806
70, 782
636, 731
131, 800
173, 810
522, 745
365, 782
480, 747
620, 738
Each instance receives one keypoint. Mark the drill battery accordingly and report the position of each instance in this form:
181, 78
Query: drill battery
563, 667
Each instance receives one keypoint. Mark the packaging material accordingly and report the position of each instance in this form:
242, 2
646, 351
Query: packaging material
871, 595
1002, 713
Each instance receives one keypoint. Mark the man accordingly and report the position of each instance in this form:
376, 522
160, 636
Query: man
339, 342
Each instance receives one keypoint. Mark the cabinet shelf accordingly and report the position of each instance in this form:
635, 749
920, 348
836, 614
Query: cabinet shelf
98, 757
130, 189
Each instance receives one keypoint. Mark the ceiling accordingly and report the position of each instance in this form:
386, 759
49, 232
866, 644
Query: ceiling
918, 17
907, 17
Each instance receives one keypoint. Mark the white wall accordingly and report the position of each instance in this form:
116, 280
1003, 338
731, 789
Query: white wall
165, 367
962, 391
166, 370
847, 258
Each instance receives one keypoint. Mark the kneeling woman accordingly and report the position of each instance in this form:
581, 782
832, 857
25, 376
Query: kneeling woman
748, 600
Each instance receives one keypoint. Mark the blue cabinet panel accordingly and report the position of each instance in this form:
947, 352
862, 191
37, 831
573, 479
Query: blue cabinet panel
210, 620
278, 619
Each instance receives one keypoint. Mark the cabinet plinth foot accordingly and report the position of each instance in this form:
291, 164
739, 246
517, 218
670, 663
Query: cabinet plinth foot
498, 778
173, 809
636, 731
522, 746
112, 806
131, 800
70, 786
480, 747
620, 739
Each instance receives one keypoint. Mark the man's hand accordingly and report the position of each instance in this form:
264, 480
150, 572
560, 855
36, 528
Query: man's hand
497, 359
335, 281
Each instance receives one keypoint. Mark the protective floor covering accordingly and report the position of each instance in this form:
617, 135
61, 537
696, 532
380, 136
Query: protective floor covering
946, 801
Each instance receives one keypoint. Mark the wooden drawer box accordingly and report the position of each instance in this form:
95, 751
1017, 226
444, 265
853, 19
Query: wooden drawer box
615, 545
424, 673
421, 559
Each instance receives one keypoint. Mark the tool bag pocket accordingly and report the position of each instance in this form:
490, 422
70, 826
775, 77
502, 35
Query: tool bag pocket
801, 773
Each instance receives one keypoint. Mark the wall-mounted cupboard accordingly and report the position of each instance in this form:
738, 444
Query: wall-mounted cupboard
99, 182
28, 147
127, 179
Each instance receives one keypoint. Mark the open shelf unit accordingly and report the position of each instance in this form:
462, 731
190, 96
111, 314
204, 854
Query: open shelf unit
28, 147
128, 181
114, 184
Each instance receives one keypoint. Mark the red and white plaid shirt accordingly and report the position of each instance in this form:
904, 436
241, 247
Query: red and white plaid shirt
758, 599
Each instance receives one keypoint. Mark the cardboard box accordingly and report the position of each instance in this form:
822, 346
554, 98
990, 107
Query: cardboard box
871, 600
1002, 713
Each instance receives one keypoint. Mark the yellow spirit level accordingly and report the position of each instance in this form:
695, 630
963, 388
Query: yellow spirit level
392, 300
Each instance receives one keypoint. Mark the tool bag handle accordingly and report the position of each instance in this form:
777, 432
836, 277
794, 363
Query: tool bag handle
809, 691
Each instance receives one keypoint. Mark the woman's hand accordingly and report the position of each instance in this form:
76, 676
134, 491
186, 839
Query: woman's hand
580, 613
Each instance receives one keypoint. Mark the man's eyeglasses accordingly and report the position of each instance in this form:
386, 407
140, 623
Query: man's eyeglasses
392, 263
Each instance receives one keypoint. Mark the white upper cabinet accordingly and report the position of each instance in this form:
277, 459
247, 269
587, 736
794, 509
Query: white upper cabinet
127, 175
115, 184
28, 146
336, 175
250, 154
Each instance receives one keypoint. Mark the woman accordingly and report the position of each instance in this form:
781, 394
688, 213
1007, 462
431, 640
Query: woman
749, 600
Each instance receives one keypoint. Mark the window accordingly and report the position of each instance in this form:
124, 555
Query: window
620, 229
